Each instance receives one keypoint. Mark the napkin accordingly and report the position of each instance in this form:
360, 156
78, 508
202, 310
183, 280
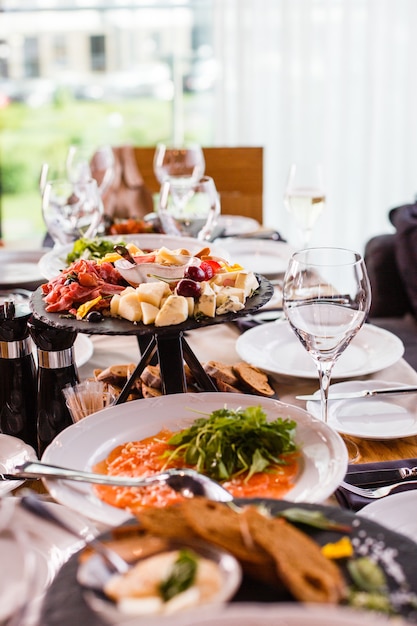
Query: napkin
351, 501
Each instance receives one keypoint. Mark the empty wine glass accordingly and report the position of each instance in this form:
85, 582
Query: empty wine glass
305, 197
197, 216
71, 210
326, 298
85, 162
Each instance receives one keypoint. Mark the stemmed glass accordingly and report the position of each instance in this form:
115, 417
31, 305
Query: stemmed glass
182, 166
71, 209
197, 216
85, 162
305, 197
326, 299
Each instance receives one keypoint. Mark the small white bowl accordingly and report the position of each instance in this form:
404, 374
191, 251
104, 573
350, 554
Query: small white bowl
152, 272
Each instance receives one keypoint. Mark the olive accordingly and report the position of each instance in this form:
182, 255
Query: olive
94, 316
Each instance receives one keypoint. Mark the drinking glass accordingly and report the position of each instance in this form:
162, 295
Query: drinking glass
326, 298
305, 197
183, 166
85, 162
195, 217
71, 210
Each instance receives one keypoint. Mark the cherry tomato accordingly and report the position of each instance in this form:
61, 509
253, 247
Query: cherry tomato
210, 267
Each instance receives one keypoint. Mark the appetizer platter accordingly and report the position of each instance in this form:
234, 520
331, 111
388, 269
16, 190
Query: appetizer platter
360, 564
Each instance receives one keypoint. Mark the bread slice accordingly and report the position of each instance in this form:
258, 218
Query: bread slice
221, 372
253, 379
151, 376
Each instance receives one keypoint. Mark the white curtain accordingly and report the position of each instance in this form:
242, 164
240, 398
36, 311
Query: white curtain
332, 80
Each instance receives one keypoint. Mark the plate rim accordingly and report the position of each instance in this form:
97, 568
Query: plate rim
365, 370
366, 384
329, 471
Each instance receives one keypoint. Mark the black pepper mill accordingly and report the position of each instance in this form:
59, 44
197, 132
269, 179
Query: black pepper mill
18, 384
56, 370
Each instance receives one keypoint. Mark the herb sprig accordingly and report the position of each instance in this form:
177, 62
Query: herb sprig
232, 441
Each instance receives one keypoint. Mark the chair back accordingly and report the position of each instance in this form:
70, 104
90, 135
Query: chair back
237, 173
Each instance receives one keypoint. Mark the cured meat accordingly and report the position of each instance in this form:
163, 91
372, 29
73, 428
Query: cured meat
80, 282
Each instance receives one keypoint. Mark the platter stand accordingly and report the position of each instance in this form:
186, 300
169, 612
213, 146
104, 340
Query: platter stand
166, 344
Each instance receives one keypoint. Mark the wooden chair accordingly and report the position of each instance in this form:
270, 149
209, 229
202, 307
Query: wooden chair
237, 172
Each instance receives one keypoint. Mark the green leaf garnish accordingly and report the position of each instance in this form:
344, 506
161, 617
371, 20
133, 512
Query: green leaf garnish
232, 441
316, 519
95, 248
181, 577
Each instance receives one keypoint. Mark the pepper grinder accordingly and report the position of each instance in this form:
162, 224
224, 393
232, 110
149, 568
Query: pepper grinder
18, 379
56, 370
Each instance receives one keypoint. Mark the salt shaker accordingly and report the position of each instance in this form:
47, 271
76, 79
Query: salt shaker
56, 370
18, 378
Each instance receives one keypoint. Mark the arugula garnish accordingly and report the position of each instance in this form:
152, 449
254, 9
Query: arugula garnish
95, 248
181, 577
232, 441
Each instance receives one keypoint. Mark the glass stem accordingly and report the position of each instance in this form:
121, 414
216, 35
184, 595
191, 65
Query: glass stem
325, 370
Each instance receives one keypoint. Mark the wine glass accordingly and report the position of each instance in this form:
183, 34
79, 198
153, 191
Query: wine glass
326, 299
305, 197
197, 216
183, 166
85, 162
71, 209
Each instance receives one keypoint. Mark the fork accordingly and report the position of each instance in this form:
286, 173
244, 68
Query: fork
379, 492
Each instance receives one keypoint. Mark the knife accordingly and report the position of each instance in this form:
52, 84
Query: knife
365, 393
380, 476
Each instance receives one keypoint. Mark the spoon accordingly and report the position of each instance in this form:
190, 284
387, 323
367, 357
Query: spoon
30, 502
124, 252
186, 481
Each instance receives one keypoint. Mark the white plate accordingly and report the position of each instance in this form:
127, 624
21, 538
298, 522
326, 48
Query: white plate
276, 349
276, 614
398, 513
52, 263
50, 546
82, 445
380, 417
20, 267
13, 451
259, 255
236, 224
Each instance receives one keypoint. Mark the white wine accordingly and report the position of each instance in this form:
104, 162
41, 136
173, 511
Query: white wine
306, 205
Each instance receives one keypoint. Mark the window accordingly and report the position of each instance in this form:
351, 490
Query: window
98, 53
30, 57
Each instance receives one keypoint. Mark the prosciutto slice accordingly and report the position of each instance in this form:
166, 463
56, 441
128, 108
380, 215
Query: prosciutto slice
82, 281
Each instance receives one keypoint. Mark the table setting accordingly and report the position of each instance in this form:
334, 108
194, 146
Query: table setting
335, 388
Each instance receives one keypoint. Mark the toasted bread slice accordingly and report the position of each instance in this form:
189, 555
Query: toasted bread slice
253, 379
222, 372
151, 376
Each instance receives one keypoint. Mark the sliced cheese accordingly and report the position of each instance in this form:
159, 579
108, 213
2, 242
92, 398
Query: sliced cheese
173, 311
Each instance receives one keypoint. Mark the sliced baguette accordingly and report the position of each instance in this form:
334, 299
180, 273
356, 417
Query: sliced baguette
253, 379
221, 372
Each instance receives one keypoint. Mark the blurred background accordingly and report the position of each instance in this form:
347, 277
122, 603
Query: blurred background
328, 80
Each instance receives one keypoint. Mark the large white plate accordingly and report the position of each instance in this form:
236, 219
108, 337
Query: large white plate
398, 513
13, 451
53, 262
380, 417
275, 348
236, 224
262, 256
82, 445
50, 546
20, 267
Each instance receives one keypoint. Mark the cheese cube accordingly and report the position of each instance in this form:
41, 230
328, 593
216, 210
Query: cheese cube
130, 307
114, 305
149, 312
206, 303
226, 292
152, 292
247, 281
173, 311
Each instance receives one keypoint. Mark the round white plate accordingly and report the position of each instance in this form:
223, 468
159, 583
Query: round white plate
20, 267
13, 451
51, 546
83, 349
379, 417
82, 445
236, 224
259, 255
53, 262
398, 513
276, 349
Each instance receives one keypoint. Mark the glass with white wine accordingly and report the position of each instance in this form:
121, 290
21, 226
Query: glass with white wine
305, 197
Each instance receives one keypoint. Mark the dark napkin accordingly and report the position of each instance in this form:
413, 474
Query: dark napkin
351, 501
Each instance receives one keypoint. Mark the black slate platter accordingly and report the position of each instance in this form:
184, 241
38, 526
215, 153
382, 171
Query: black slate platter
65, 604
115, 326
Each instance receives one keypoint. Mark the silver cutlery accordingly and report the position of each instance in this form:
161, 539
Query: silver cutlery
364, 393
186, 481
380, 476
375, 493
